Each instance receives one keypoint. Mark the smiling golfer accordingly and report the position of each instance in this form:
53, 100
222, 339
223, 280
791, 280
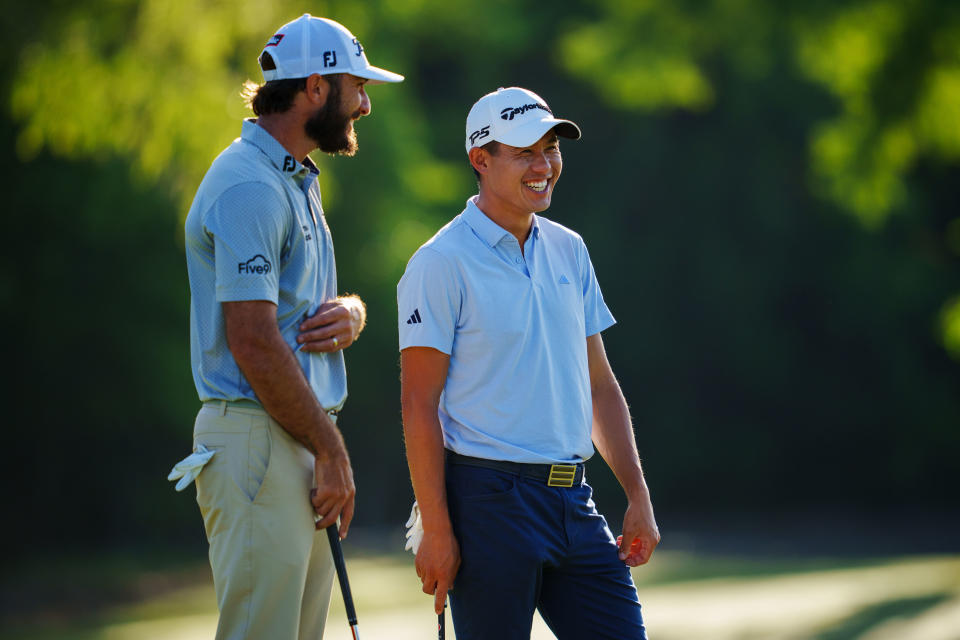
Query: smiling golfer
506, 390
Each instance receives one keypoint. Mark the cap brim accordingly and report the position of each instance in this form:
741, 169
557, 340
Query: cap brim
376, 75
568, 129
527, 134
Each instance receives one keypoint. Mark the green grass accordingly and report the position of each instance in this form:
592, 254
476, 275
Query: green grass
685, 597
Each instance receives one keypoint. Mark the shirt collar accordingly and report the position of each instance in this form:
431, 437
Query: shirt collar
280, 158
488, 230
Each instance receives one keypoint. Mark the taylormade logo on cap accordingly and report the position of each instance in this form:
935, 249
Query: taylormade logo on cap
509, 112
311, 45
514, 116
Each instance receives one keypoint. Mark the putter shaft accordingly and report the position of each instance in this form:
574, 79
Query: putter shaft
334, 535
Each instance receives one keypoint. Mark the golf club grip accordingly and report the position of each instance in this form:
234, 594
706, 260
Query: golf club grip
334, 535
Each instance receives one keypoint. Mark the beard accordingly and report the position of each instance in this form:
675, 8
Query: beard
332, 129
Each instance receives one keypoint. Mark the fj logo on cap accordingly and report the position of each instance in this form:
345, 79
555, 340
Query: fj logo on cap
329, 58
257, 265
510, 112
275, 40
356, 43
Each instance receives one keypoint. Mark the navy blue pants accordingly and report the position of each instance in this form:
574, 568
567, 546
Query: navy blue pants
526, 546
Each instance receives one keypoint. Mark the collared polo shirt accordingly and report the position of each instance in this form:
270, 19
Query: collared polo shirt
256, 231
515, 327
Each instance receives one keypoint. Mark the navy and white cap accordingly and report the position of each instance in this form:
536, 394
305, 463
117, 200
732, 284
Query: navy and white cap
311, 45
514, 116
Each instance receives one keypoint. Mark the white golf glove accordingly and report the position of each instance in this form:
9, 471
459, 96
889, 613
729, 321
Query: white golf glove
414, 529
189, 468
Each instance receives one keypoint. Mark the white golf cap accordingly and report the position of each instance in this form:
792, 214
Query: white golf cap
514, 116
311, 45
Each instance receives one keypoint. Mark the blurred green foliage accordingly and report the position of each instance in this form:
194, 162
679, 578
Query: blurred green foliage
769, 193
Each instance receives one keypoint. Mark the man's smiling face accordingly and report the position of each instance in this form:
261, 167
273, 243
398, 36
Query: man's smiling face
520, 180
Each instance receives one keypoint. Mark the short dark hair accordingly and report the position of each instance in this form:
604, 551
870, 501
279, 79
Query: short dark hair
493, 148
275, 96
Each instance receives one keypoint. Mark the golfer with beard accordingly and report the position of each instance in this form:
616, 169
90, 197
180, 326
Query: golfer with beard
267, 334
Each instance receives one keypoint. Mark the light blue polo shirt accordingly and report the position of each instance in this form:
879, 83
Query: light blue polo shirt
515, 328
256, 231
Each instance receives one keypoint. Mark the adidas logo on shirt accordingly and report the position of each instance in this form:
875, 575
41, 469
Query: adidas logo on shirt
563, 279
415, 317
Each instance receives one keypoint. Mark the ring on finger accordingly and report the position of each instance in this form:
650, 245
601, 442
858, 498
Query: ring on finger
336, 342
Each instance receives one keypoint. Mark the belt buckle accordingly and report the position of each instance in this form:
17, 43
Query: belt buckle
562, 475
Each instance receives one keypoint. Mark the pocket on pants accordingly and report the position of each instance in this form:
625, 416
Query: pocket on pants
258, 459
242, 460
478, 484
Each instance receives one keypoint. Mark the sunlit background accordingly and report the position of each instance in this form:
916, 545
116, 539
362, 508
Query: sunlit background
771, 196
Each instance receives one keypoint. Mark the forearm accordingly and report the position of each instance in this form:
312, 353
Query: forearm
275, 375
438, 558
614, 438
425, 458
423, 374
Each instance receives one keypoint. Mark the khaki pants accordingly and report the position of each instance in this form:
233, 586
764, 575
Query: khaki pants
272, 571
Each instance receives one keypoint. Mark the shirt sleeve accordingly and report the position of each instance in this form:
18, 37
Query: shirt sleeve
249, 224
428, 300
596, 315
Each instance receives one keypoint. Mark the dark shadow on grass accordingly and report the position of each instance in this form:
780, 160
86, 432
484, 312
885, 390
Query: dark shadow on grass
869, 617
